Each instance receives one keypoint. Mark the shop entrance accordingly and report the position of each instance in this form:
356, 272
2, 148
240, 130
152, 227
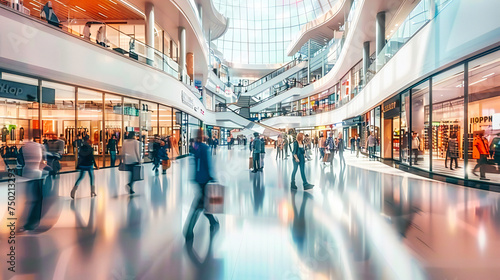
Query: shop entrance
391, 138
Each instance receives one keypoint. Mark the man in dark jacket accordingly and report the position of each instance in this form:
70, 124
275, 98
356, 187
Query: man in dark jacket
262, 151
203, 175
257, 146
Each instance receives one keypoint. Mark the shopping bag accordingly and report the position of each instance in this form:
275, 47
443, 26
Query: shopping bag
325, 157
214, 198
166, 164
138, 172
250, 163
122, 167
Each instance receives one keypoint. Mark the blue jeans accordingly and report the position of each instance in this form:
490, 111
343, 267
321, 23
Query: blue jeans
113, 157
302, 166
90, 170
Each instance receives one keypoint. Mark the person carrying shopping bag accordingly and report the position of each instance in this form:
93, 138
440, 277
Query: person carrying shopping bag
132, 160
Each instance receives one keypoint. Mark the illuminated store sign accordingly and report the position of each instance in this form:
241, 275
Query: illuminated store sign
482, 119
14, 90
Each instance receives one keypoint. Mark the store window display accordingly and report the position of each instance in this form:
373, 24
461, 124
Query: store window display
420, 155
404, 128
90, 123
113, 132
484, 118
18, 117
448, 122
58, 122
149, 126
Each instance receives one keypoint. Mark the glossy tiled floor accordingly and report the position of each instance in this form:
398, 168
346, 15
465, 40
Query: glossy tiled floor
368, 221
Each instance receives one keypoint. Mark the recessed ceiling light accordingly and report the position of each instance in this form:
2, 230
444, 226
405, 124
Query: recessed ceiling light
397, 24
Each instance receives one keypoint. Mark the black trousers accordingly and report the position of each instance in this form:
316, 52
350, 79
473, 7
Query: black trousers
197, 206
415, 155
481, 162
256, 161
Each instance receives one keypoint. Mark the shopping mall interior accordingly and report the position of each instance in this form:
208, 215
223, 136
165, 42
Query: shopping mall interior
122, 121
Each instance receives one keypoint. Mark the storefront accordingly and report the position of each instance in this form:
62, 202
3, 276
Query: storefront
444, 140
370, 125
391, 112
74, 114
352, 128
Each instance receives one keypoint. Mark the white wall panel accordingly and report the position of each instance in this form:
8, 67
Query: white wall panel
33, 48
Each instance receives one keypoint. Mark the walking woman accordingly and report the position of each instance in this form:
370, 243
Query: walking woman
132, 157
86, 163
299, 160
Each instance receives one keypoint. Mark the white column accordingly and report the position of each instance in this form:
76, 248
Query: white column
380, 32
150, 32
182, 53
366, 59
308, 61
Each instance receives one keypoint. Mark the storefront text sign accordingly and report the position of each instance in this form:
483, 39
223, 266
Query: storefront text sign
391, 107
483, 119
189, 101
20, 91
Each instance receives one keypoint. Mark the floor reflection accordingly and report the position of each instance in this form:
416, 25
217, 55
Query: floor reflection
364, 221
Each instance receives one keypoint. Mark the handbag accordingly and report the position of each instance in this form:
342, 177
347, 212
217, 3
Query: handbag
137, 172
250, 162
214, 198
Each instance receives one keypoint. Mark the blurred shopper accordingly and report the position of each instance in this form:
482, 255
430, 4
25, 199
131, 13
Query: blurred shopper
86, 31
54, 148
358, 145
131, 157
32, 158
101, 38
256, 147
203, 175
262, 151
321, 144
480, 152
415, 146
48, 14
229, 139
214, 144
452, 151
86, 163
157, 144
279, 147
330, 147
353, 144
112, 148
299, 160
285, 145
340, 148
370, 143
307, 145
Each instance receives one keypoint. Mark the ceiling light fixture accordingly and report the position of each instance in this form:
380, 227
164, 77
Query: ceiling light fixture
37, 3
61, 3
477, 82
134, 8
113, 2
80, 8
491, 74
100, 6
103, 15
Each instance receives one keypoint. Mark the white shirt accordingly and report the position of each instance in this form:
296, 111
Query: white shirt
131, 151
86, 32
